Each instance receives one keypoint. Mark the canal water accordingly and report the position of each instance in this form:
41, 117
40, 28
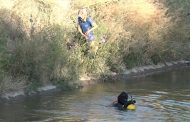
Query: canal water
162, 97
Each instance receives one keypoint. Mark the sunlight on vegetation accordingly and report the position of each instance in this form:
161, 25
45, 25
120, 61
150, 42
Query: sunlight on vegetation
143, 9
40, 44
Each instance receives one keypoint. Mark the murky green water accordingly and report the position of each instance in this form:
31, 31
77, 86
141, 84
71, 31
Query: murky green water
160, 97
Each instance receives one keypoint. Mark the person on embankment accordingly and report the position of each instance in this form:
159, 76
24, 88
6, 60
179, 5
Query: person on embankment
86, 25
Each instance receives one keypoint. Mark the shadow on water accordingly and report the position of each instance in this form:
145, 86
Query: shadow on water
160, 97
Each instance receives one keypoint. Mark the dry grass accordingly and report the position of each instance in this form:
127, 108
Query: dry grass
37, 14
35, 35
10, 84
138, 22
86, 3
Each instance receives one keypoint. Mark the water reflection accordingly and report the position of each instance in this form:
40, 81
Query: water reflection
160, 97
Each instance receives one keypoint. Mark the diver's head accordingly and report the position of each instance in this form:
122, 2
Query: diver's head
122, 98
123, 93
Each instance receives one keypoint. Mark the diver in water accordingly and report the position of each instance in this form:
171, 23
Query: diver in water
123, 100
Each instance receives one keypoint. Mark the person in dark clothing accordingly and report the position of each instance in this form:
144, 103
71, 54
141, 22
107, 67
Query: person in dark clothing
123, 99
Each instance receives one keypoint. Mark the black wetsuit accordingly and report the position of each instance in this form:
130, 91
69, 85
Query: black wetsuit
123, 99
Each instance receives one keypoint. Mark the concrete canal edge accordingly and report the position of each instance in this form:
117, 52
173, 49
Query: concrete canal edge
21, 93
150, 69
134, 72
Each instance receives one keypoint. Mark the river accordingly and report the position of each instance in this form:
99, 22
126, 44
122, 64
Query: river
160, 97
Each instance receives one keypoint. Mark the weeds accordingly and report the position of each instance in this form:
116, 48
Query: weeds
130, 33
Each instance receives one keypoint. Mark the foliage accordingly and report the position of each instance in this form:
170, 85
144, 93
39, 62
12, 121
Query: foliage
45, 47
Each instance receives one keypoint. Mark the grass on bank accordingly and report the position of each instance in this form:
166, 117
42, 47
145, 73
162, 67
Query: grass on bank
37, 51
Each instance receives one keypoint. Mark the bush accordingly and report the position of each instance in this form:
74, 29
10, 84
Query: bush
41, 50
